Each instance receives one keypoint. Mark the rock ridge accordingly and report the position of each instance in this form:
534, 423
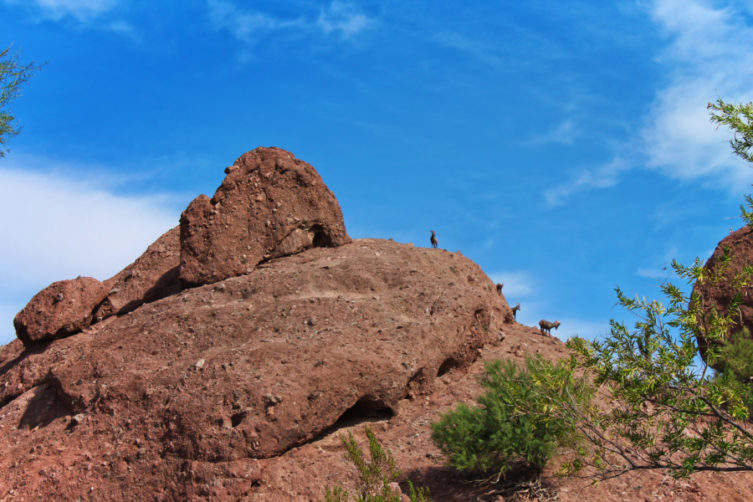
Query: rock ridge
269, 205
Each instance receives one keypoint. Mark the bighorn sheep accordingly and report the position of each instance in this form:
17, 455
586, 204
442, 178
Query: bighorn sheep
546, 326
433, 239
499, 287
515, 311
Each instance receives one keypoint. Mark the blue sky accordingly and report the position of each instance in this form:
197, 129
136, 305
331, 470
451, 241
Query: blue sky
563, 146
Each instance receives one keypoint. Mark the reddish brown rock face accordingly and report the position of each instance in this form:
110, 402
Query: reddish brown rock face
240, 389
152, 276
720, 295
62, 308
252, 366
269, 205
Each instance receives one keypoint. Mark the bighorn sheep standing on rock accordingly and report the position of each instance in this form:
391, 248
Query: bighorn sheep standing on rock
433, 239
499, 287
546, 326
515, 311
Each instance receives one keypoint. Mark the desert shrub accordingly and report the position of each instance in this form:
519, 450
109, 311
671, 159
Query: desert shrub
735, 362
736, 356
374, 476
669, 411
523, 418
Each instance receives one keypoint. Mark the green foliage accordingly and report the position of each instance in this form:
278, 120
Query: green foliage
375, 476
524, 417
739, 118
668, 412
12, 76
736, 356
735, 362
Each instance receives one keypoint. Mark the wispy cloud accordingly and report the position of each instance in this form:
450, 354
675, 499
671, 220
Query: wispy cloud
82, 10
343, 18
247, 26
703, 61
251, 26
564, 133
95, 14
602, 177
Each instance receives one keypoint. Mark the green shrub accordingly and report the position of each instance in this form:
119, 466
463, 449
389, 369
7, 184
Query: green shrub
669, 411
374, 476
736, 356
735, 360
523, 418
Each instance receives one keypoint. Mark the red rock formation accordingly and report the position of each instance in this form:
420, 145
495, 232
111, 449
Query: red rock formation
249, 367
269, 205
719, 295
62, 308
152, 276
240, 389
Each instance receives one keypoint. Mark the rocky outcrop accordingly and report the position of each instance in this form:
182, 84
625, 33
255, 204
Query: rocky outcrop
269, 205
250, 367
731, 256
240, 388
152, 276
67, 307
61, 309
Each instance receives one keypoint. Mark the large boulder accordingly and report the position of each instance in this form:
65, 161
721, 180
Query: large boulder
249, 367
269, 205
731, 256
65, 308
60, 309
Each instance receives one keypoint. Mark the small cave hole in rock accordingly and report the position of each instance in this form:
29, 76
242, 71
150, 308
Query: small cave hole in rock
321, 238
237, 418
449, 364
366, 409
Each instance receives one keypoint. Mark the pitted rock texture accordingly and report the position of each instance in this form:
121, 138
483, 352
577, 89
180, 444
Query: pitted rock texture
739, 246
62, 308
220, 392
152, 276
269, 205
252, 366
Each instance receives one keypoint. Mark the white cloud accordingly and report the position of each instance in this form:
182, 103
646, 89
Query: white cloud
250, 26
601, 177
704, 59
81, 10
343, 18
247, 26
58, 226
63, 227
96, 14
